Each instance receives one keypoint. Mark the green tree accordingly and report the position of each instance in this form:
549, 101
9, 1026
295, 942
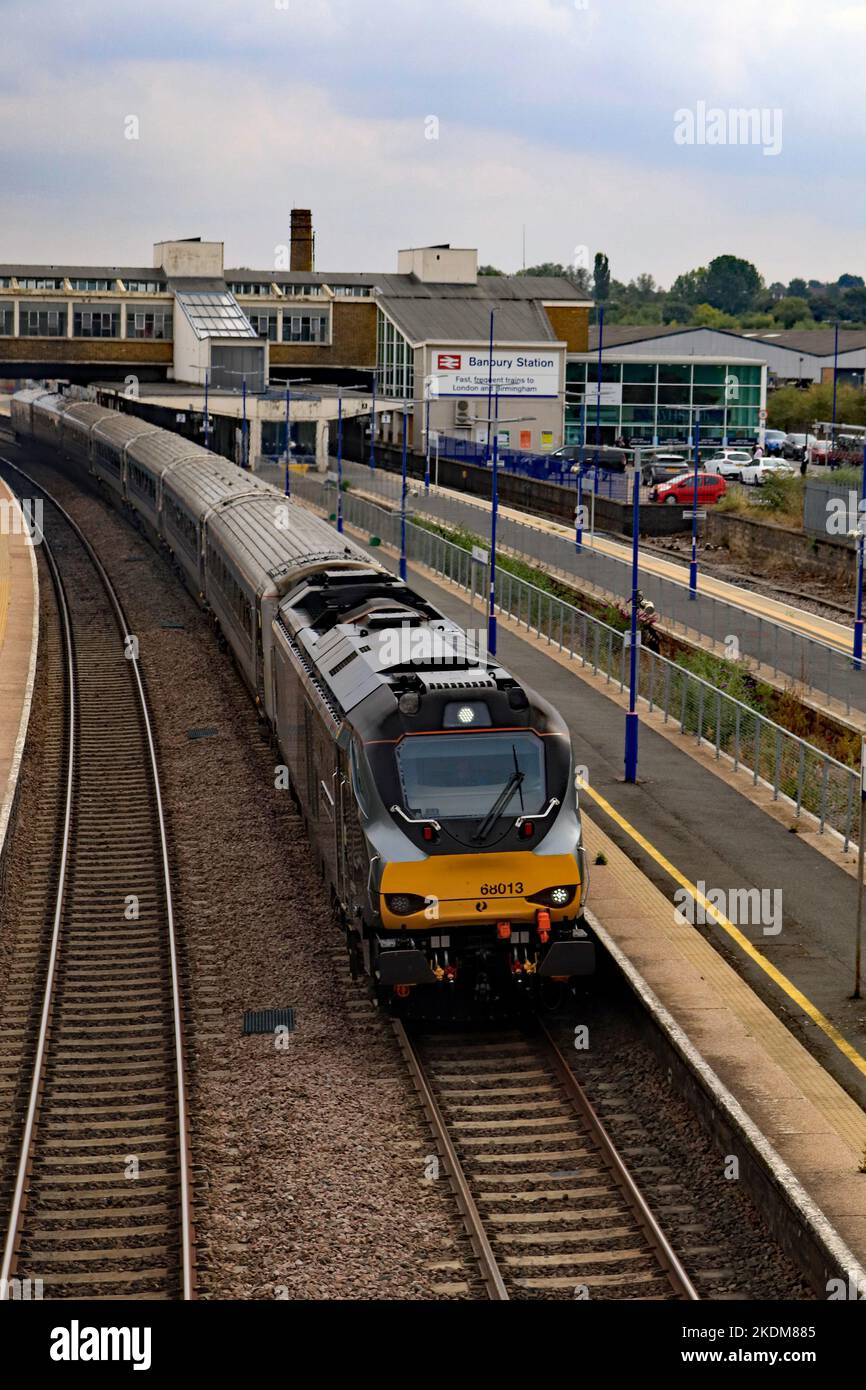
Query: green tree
601, 276
850, 282
707, 316
854, 302
790, 310
489, 270
690, 287
798, 288
732, 284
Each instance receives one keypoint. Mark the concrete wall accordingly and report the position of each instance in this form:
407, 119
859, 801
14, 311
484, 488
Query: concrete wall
185, 259
765, 549
444, 265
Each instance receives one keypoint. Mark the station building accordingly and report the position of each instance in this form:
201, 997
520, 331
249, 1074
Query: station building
409, 348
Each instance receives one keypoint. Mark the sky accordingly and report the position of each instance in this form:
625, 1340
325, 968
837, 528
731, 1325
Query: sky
578, 123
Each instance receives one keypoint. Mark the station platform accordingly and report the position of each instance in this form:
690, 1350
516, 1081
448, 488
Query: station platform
19, 637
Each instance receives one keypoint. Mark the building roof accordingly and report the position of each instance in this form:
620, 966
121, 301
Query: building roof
83, 272
424, 319
215, 314
817, 342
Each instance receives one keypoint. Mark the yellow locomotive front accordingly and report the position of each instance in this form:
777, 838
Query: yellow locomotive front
477, 900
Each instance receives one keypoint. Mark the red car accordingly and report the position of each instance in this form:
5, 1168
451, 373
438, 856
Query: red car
680, 491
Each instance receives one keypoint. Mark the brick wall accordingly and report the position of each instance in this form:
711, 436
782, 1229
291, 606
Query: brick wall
101, 350
571, 326
354, 341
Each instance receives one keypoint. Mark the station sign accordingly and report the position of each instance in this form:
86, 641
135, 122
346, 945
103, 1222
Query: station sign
462, 371
689, 515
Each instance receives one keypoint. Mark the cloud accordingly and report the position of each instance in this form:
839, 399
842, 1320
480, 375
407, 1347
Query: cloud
552, 115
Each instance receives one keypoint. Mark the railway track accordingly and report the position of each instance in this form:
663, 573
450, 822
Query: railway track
95, 1188
548, 1204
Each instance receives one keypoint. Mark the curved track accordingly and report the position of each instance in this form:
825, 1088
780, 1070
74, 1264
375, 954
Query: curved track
95, 1187
549, 1206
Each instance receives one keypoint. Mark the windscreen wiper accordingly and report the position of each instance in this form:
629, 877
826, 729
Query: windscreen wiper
502, 800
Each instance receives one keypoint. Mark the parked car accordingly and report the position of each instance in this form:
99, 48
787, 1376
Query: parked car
795, 446
762, 469
660, 468
681, 491
567, 458
774, 440
729, 463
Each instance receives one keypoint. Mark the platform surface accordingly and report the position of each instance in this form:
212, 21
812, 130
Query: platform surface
18, 643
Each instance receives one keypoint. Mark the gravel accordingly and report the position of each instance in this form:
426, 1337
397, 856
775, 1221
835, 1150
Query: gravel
308, 1157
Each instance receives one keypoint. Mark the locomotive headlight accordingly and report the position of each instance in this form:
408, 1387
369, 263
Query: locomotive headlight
466, 714
560, 896
403, 904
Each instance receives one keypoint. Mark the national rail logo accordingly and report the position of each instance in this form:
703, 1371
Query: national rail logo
448, 361
77, 1343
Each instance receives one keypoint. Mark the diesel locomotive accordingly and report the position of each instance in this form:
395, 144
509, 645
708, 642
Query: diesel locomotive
438, 791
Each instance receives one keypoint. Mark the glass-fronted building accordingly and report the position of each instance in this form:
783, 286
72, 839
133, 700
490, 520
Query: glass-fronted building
656, 401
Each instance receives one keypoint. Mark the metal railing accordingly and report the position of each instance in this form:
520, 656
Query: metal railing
789, 655
813, 781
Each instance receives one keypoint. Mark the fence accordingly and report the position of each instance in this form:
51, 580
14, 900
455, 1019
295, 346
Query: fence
790, 655
812, 780
602, 481
825, 499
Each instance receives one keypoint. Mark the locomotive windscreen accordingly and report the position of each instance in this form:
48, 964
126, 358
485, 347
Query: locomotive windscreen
460, 776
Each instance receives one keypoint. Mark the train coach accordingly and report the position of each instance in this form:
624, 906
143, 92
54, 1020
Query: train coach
438, 791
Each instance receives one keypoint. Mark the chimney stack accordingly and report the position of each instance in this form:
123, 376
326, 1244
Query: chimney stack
301, 242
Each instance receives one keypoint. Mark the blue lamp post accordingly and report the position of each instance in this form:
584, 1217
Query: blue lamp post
340, 461
631, 719
858, 622
427, 443
835, 379
578, 516
206, 414
693, 566
245, 461
403, 491
489, 391
494, 512
288, 488
598, 391
373, 426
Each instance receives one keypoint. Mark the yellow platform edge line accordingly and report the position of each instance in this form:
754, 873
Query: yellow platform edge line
787, 986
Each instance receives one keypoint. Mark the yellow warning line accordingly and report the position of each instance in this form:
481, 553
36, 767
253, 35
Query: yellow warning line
822, 1022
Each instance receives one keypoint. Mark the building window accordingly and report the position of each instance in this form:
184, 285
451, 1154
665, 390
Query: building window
354, 291
143, 286
265, 325
38, 283
148, 323
92, 284
96, 323
305, 328
250, 287
395, 361
7, 320
41, 322
5, 282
